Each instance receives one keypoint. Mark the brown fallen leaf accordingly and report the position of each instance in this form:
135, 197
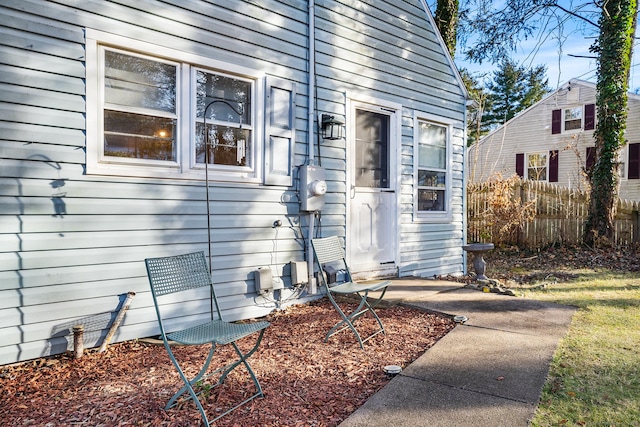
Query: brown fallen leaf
306, 381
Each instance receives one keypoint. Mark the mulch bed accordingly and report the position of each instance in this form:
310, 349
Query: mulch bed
306, 382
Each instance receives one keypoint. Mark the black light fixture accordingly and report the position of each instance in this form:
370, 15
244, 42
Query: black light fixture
331, 127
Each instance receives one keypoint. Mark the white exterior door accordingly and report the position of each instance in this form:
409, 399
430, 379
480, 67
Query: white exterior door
372, 205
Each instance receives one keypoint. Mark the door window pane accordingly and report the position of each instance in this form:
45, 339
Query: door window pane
372, 150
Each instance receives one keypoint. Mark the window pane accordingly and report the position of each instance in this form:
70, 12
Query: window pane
432, 146
432, 157
431, 179
573, 113
432, 134
573, 118
431, 200
537, 167
139, 82
139, 136
227, 146
372, 150
536, 160
228, 99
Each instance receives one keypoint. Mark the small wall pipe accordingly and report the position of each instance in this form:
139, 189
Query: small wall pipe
310, 132
78, 341
117, 321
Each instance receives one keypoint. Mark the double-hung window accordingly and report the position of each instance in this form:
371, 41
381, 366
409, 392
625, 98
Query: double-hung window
543, 166
157, 112
537, 167
432, 170
573, 119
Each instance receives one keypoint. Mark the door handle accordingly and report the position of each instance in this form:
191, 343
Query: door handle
352, 191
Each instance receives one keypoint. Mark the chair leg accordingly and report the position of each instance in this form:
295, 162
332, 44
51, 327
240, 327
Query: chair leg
348, 320
188, 384
345, 322
242, 358
193, 395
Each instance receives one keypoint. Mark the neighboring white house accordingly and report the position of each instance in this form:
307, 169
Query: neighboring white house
553, 141
103, 107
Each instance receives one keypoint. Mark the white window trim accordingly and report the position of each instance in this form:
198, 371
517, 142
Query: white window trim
572, 131
185, 167
429, 216
526, 164
623, 159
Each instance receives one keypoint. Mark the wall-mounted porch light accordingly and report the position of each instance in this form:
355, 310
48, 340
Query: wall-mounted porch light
331, 127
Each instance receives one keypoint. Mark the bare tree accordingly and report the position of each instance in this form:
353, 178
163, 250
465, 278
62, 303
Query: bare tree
494, 29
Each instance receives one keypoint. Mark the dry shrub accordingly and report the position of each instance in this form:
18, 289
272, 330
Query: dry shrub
504, 213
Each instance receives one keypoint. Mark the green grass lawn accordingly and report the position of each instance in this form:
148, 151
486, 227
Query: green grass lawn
594, 378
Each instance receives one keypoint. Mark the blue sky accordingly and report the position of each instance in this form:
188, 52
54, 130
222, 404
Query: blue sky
560, 59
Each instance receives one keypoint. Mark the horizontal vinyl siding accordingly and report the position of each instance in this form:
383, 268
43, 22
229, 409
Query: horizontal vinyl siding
71, 244
388, 50
530, 132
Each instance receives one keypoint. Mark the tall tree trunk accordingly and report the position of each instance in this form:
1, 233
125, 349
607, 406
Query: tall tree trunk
447, 22
614, 48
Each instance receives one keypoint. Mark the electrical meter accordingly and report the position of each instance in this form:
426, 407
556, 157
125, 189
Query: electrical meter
313, 187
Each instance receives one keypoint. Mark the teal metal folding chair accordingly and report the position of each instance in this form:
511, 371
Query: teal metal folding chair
328, 252
170, 275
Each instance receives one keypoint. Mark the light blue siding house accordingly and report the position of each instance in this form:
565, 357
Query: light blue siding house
109, 111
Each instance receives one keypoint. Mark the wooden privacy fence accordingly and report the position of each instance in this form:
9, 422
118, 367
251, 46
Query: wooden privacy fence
559, 215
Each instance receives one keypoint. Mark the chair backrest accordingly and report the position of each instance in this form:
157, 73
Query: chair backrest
327, 250
180, 273
329, 253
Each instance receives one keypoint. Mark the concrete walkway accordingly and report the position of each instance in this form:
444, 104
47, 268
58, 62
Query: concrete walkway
488, 371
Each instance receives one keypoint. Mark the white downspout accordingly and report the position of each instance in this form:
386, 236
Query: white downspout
310, 132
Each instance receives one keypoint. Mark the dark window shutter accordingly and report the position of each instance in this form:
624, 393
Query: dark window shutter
591, 158
634, 161
553, 166
520, 164
589, 117
556, 121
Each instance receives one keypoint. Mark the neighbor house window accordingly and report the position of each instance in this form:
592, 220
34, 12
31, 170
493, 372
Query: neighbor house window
432, 168
633, 161
157, 112
541, 166
573, 119
537, 167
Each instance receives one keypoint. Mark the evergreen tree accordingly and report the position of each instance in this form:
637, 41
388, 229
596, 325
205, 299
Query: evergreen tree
476, 126
513, 89
497, 29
